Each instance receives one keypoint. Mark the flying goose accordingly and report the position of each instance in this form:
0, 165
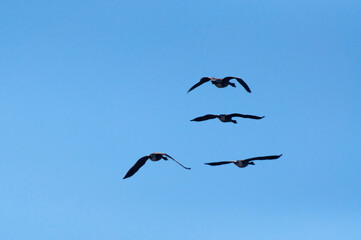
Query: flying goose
244, 163
154, 157
225, 117
221, 82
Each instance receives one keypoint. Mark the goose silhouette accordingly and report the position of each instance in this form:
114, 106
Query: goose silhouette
154, 157
221, 82
245, 162
225, 117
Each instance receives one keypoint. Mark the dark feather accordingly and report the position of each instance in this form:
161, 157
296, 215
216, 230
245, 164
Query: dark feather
136, 166
245, 116
167, 155
219, 163
240, 80
272, 157
176, 161
203, 80
205, 117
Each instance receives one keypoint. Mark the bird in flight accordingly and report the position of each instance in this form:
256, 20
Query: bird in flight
245, 162
154, 157
225, 117
221, 82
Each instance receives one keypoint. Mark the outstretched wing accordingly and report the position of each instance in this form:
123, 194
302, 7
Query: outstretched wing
203, 80
245, 116
219, 163
205, 117
175, 161
136, 166
166, 155
272, 157
240, 80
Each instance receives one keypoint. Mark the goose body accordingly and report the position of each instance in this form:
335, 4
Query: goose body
225, 117
157, 156
153, 157
242, 163
221, 82
245, 162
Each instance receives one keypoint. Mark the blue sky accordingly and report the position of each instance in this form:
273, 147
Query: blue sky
90, 87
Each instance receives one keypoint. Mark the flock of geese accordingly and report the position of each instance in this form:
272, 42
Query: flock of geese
220, 83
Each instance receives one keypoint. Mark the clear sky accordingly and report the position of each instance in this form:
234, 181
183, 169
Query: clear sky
89, 87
